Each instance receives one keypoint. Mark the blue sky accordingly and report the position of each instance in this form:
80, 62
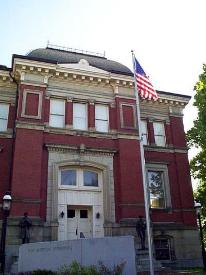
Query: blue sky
168, 36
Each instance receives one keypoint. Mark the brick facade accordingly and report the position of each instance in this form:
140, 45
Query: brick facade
32, 153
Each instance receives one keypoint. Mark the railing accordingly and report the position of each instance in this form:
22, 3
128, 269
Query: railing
62, 48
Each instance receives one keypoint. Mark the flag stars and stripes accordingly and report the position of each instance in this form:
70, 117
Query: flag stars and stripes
144, 86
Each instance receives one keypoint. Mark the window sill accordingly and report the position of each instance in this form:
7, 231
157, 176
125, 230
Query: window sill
81, 189
166, 210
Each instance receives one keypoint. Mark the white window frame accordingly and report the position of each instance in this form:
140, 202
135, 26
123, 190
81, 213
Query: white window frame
165, 178
57, 114
80, 179
161, 143
4, 117
101, 119
144, 131
76, 117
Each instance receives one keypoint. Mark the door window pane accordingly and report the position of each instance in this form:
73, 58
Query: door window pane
68, 177
101, 118
70, 213
4, 112
90, 178
79, 116
83, 214
156, 189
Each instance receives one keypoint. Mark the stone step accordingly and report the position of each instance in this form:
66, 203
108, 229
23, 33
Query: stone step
143, 262
14, 268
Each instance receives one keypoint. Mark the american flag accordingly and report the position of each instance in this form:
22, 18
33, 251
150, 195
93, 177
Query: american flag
144, 85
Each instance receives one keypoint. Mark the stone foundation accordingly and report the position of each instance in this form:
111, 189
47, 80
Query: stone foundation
186, 248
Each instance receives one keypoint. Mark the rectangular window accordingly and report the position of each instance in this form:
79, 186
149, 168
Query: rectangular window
162, 249
144, 132
80, 116
159, 133
156, 189
4, 112
57, 113
101, 118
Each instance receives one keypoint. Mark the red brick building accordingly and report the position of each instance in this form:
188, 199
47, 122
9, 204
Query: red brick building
70, 153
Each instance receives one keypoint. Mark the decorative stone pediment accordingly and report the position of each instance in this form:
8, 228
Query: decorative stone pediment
83, 65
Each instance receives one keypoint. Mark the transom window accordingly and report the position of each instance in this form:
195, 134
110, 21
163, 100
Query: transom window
144, 132
76, 177
80, 116
90, 178
159, 133
68, 177
4, 112
101, 118
57, 113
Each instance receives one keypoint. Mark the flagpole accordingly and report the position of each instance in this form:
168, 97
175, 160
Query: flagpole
146, 199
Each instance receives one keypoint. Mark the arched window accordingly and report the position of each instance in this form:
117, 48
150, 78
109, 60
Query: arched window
79, 177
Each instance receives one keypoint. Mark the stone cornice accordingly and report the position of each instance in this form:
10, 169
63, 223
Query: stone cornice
5, 78
30, 125
7, 134
73, 132
80, 149
59, 72
166, 149
98, 77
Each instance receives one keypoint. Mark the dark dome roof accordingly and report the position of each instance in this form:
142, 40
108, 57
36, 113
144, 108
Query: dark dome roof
61, 57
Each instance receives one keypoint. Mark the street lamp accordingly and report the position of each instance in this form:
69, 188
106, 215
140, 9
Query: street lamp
6, 206
198, 211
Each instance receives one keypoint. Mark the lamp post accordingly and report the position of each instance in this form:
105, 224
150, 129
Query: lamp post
6, 209
198, 211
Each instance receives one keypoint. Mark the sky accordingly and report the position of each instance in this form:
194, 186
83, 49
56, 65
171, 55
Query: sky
167, 36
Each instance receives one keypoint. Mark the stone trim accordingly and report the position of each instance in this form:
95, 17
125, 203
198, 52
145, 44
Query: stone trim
25, 93
165, 150
33, 84
172, 226
166, 185
6, 134
30, 125
122, 118
27, 200
60, 160
80, 149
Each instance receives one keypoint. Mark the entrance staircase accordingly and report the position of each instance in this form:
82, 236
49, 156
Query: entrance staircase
142, 259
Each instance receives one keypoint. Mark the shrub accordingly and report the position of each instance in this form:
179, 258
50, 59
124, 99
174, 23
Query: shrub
42, 272
76, 269
116, 270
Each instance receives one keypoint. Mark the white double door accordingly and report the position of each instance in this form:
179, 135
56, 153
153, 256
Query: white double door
79, 222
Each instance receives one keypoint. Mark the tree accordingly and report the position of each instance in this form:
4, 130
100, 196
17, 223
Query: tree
196, 137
